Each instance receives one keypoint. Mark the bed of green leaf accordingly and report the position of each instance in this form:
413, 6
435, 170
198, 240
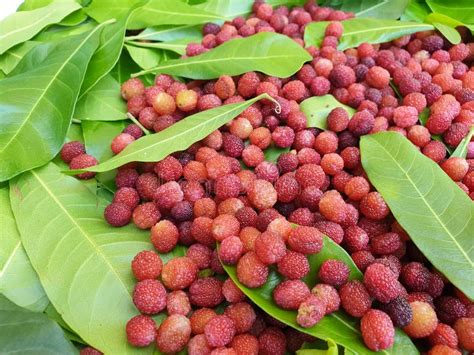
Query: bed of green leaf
61, 65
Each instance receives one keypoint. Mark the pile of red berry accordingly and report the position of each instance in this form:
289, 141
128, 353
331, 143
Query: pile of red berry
222, 190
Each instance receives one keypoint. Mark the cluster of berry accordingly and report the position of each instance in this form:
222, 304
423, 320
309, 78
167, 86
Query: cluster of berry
204, 195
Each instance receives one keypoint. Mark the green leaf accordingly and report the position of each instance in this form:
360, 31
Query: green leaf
10, 59
75, 18
269, 53
169, 12
317, 109
231, 9
18, 281
54, 315
272, 153
103, 10
332, 350
435, 212
102, 102
449, 33
383, 9
446, 25
178, 46
21, 26
97, 138
25, 332
56, 32
338, 326
177, 137
106, 56
461, 150
416, 11
37, 101
125, 67
167, 33
461, 10
146, 58
82, 262
359, 30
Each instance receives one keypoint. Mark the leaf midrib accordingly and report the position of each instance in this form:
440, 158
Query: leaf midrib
10, 259
182, 14
223, 60
81, 230
384, 28
427, 205
61, 68
371, 8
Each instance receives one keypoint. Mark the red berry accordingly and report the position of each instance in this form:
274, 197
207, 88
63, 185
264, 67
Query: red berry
83, 161
219, 331
173, 334
149, 296
381, 282
334, 272
146, 265
141, 331
377, 330
179, 273
289, 294
206, 292
251, 271
243, 316
355, 298
293, 265
424, 320
305, 240
272, 341
444, 335
117, 214
164, 236
71, 150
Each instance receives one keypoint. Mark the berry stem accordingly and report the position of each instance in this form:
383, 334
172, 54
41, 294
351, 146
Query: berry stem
132, 118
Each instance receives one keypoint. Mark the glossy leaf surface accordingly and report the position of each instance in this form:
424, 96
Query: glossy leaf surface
435, 212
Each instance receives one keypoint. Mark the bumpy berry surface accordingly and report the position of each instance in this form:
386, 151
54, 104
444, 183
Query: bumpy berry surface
173, 334
377, 330
149, 296
424, 320
141, 331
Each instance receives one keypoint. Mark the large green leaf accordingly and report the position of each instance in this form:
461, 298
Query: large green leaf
167, 33
18, 281
106, 56
269, 53
359, 30
461, 150
10, 59
29, 333
169, 12
103, 102
177, 137
317, 109
461, 10
435, 212
338, 326
231, 8
82, 262
22, 26
37, 102
383, 9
